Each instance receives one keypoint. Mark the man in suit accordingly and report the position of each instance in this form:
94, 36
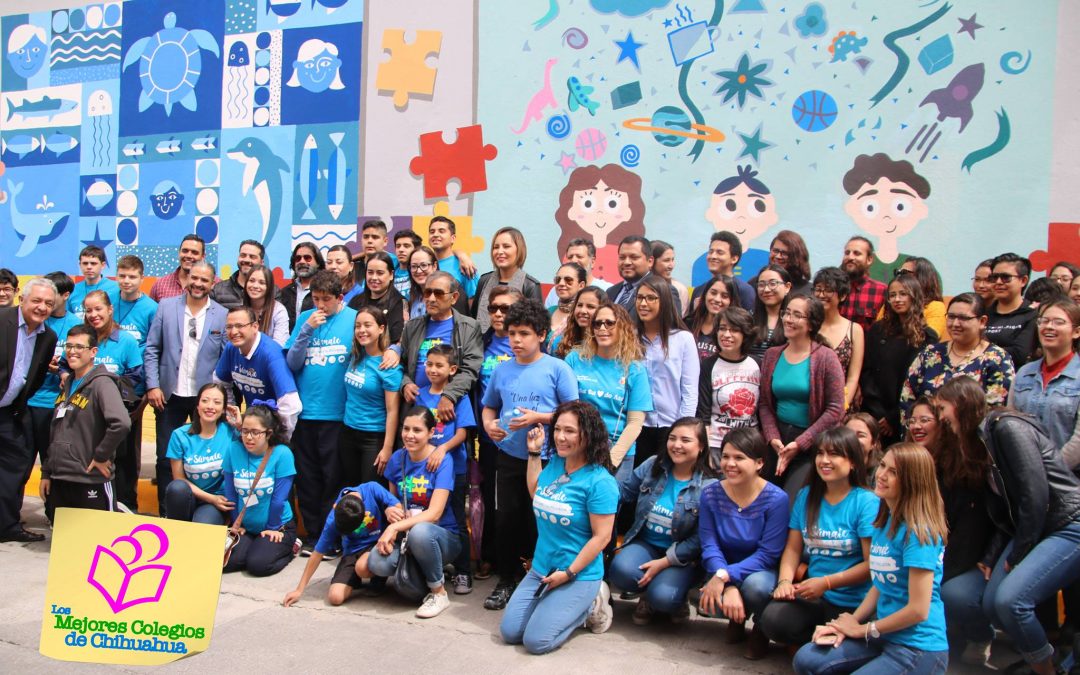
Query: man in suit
635, 263
182, 349
26, 348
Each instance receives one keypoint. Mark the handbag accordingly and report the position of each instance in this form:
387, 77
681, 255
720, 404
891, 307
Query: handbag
232, 535
408, 577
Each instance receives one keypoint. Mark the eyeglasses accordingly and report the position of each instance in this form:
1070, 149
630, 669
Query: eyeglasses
921, 421
1060, 278
606, 324
647, 299
75, 347
253, 433
237, 326
901, 271
1003, 277
770, 284
191, 328
420, 267
1056, 322
568, 280
7, 290
821, 290
303, 257
502, 309
981, 280
726, 330
788, 314
779, 252
437, 292
896, 295
959, 317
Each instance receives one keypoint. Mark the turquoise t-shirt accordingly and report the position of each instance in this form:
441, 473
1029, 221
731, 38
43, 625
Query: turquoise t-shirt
464, 419
121, 355
540, 386
791, 391
415, 484
497, 353
835, 544
135, 318
75, 300
657, 528
890, 559
321, 380
243, 466
614, 390
203, 457
45, 396
453, 266
365, 399
438, 333
562, 506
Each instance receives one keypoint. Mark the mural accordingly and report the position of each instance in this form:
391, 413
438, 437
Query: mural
911, 122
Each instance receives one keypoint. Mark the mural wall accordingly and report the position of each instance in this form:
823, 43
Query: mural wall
922, 124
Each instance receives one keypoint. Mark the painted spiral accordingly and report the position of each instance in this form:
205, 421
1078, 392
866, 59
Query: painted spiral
630, 155
558, 126
575, 38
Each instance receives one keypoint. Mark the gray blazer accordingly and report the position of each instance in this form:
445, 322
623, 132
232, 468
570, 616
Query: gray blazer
166, 341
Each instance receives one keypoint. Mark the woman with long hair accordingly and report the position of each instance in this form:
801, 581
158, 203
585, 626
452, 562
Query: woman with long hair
660, 554
729, 385
508, 255
569, 279
1033, 500
981, 284
930, 282
966, 353
907, 543
422, 262
586, 302
892, 343
802, 393
611, 375
664, 265
339, 261
773, 285
716, 294
271, 315
788, 250
831, 287
574, 499
671, 360
866, 430
372, 401
832, 520
196, 453
379, 292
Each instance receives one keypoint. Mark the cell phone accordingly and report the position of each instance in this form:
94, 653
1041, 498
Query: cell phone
540, 590
826, 640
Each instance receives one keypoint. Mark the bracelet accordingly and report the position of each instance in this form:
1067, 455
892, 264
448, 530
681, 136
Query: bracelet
827, 582
783, 581
866, 634
534, 454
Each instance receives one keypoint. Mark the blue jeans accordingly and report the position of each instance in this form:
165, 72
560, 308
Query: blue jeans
667, 590
963, 599
180, 504
1010, 598
756, 591
543, 623
429, 543
876, 657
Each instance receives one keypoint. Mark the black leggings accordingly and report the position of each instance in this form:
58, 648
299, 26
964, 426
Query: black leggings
792, 622
260, 556
514, 521
358, 450
794, 477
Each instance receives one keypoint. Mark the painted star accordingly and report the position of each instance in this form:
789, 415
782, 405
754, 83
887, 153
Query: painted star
746, 79
97, 240
566, 162
753, 144
969, 26
628, 50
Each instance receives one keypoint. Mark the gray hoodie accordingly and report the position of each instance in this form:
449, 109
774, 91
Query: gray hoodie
89, 424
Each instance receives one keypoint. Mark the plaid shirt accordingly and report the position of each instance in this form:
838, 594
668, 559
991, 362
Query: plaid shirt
169, 286
863, 302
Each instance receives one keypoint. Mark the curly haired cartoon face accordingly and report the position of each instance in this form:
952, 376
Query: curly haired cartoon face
743, 205
887, 200
599, 210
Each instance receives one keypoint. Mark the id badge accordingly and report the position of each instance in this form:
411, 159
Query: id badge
61, 411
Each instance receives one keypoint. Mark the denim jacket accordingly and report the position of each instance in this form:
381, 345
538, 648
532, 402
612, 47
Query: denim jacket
1055, 406
645, 489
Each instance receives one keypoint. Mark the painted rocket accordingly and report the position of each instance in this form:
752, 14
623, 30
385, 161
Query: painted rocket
955, 98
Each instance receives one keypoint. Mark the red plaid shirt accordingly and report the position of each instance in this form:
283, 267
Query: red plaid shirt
863, 302
169, 286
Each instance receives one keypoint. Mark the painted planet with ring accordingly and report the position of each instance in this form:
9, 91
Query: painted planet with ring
671, 126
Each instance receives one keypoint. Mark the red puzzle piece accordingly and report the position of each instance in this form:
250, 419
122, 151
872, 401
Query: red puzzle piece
1063, 244
464, 159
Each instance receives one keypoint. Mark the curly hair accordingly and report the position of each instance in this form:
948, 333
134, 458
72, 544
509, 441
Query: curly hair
268, 418
591, 430
628, 347
614, 177
574, 335
911, 326
531, 313
798, 259
835, 280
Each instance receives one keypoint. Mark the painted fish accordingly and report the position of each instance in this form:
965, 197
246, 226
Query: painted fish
283, 9
579, 96
59, 143
134, 149
47, 107
207, 143
336, 171
330, 5
33, 227
21, 145
309, 175
169, 146
98, 194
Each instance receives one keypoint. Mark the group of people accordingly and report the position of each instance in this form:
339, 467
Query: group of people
868, 472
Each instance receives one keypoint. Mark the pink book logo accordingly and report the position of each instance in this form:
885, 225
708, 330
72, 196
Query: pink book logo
120, 581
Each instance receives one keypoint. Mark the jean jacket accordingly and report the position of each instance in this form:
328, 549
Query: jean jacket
1055, 405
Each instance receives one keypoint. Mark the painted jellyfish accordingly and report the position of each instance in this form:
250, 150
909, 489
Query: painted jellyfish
99, 108
238, 88
27, 49
316, 67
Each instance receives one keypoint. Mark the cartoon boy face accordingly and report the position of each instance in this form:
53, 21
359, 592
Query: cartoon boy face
319, 72
888, 210
27, 60
599, 211
743, 212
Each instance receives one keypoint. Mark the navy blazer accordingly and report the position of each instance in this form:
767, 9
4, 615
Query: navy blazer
44, 346
165, 343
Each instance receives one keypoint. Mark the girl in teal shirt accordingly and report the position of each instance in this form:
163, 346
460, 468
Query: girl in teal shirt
197, 452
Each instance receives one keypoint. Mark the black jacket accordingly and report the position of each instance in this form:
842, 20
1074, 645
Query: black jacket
287, 297
1037, 494
392, 306
885, 368
229, 293
44, 346
970, 528
614, 291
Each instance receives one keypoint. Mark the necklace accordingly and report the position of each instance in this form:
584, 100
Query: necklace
566, 306
963, 357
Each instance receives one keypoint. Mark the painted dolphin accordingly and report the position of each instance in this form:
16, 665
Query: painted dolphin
33, 227
262, 177
955, 98
579, 96
47, 107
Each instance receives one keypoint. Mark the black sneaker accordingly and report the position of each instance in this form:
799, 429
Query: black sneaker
332, 555
629, 595
500, 596
306, 550
462, 584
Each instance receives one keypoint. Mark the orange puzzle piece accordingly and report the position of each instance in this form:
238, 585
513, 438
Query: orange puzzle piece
407, 71
463, 159
1062, 244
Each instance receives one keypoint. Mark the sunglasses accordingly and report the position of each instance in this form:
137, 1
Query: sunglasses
568, 280
1003, 277
606, 324
191, 328
492, 309
437, 292
900, 271
303, 257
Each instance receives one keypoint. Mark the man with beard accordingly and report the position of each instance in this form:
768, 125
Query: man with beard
867, 295
182, 349
635, 263
230, 292
306, 260
192, 250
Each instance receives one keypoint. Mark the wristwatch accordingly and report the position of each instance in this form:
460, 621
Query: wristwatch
723, 575
570, 576
874, 632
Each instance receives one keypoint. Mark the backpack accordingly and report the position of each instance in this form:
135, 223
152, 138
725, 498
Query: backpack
131, 400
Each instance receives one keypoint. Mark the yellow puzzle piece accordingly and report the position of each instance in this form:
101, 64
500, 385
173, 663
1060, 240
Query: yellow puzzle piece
406, 72
463, 224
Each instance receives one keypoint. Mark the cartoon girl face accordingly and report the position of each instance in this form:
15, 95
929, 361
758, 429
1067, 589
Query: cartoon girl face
743, 212
316, 67
599, 210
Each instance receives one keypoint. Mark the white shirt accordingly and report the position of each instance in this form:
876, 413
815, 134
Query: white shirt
185, 381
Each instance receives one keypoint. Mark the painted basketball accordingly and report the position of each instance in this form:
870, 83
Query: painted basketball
591, 144
814, 110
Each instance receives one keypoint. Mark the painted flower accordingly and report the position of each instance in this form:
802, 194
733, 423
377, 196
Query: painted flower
812, 21
746, 79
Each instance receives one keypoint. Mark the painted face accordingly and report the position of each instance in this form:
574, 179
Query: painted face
319, 72
379, 277
27, 60
923, 425
567, 284
771, 288
211, 405
745, 213
832, 465
886, 209
367, 330
664, 265
717, 298
567, 436
899, 298
340, 263
1056, 332
598, 211
167, 204
683, 446
97, 313
504, 252
585, 309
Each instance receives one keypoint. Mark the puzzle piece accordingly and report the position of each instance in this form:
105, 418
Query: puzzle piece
1063, 244
464, 159
407, 71
463, 224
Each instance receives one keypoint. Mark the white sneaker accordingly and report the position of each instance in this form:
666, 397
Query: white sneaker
600, 614
976, 654
433, 605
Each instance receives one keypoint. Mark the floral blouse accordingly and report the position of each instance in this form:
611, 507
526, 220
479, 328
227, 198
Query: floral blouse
931, 369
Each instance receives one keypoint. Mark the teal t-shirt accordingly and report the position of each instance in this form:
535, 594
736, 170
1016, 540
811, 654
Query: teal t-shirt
135, 318
321, 380
835, 544
75, 300
365, 399
45, 396
453, 266
614, 390
203, 457
497, 353
121, 355
791, 391
890, 560
562, 505
243, 466
657, 527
